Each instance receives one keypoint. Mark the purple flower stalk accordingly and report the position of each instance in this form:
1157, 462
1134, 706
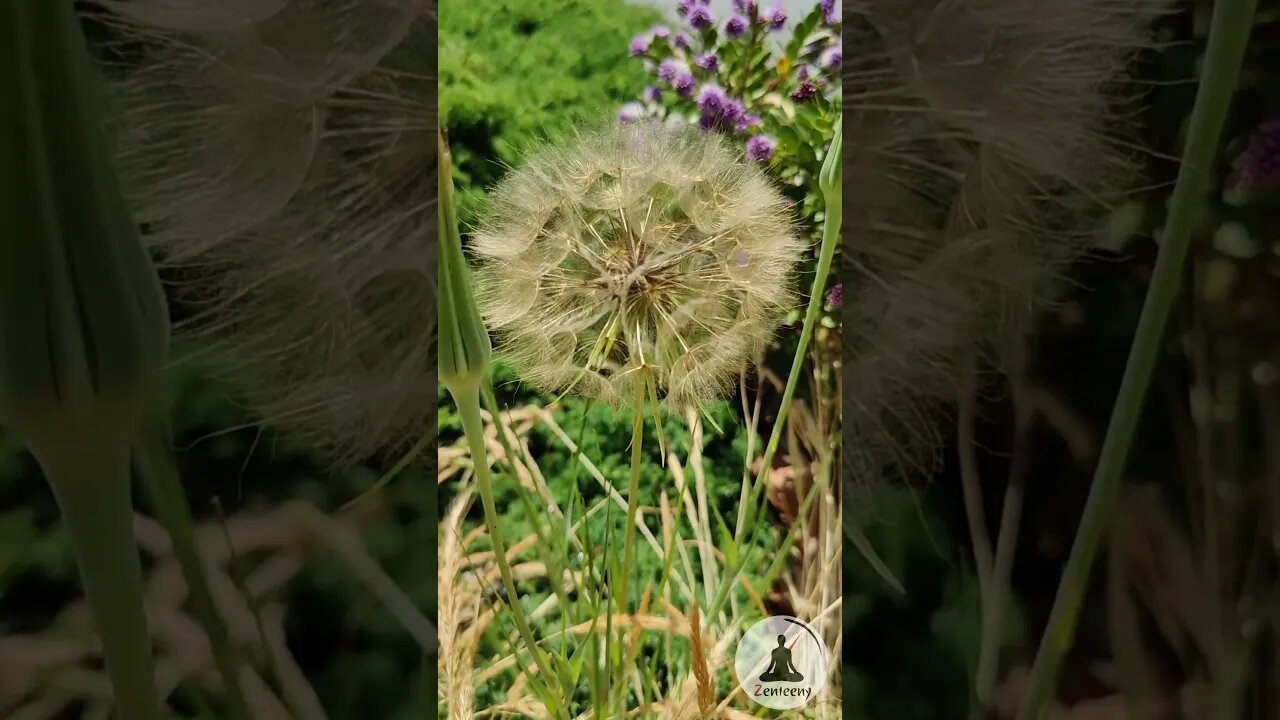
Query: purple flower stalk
700, 17
835, 298
653, 93
660, 31
640, 45
735, 27
629, 113
682, 41
747, 7
776, 17
682, 7
1260, 162
760, 148
708, 61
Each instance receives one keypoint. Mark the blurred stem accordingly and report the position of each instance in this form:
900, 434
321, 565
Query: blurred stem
1228, 39
157, 466
830, 240
92, 487
467, 398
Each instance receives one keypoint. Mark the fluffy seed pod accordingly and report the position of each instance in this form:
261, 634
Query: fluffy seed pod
638, 245
987, 139
282, 157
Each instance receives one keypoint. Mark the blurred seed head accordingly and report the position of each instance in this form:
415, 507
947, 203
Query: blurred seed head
636, 246
281, 156
987, 138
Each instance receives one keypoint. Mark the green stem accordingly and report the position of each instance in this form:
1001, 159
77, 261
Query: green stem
1228, 38
468, 401
633, 507
830, 240
92, 487
633, 498
158, 469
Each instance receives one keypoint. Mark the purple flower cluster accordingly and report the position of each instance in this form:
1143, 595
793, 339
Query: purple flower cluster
735, 26
760, 148
835, 298
1259, 164
829, 14
690, 65
807, 90
775, 18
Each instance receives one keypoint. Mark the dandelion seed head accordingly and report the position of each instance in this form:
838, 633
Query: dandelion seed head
998, 135
642, 246
282, 157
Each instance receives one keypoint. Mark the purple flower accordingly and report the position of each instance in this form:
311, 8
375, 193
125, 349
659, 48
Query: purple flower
682, 7
835, 298
1260, 162
653, 93
708, 61
760, 148
776, 17
829, 15
711, 98
660, 31
747, 6
735, 26
746, 122
639, 45
700, 17
831, 58
684, 83
668, 69
733, 111
629, 113
806, 91
682, 40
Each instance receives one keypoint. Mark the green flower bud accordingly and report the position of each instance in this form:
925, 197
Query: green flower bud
83, 322
464, 343
831, 177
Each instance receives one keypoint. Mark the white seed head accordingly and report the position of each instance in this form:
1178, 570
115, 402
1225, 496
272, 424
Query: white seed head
636, 246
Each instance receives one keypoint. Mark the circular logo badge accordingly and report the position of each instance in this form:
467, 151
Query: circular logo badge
781, 663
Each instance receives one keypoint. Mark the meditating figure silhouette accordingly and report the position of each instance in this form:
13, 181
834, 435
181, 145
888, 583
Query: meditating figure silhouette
780, 667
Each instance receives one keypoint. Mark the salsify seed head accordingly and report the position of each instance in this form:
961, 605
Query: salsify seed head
638, 251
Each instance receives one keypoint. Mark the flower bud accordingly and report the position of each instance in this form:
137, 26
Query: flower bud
464, 343
83, 323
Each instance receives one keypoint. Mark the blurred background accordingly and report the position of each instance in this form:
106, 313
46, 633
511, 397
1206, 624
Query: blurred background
324, 578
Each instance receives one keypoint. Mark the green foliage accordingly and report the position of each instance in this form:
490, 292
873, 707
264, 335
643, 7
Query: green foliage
514, 72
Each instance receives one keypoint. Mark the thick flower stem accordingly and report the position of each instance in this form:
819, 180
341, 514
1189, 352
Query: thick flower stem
468, 402
633, 498
92, 487
1228, 38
